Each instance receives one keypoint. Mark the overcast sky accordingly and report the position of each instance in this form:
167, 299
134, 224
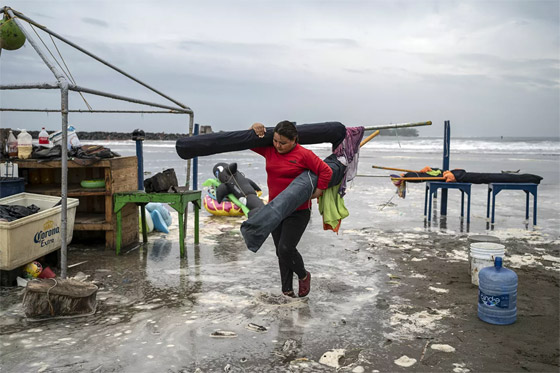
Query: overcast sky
490, 67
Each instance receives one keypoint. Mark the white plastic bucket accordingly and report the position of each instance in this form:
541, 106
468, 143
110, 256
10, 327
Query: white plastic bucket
477, 239
482, 255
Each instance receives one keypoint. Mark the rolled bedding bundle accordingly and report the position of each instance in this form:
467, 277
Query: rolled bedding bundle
222, 142
256, 229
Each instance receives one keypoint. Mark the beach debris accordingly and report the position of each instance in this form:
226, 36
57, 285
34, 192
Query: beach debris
59, 298
304, 365
21, 281
442, 347
290, 347
438, 290
80, 276
227, 368
333, 357
460, 368
424, 351
77, 264
405, 361
223, 334
256, 328
358, 369
243, 360
393, 277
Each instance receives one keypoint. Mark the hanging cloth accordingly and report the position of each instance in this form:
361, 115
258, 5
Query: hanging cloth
347, 153
332, 208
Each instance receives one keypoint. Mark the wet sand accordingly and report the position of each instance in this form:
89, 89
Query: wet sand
390, 293
377, 295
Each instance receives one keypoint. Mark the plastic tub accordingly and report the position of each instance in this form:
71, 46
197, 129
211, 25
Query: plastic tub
482, 255
11, 185
29, 238
94, 183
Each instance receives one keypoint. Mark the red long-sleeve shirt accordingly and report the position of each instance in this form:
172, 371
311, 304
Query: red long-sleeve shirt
282, 169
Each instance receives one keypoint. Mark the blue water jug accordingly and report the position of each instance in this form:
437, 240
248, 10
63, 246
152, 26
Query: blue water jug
497, 294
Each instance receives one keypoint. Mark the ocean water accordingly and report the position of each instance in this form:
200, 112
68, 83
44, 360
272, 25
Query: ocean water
371, 197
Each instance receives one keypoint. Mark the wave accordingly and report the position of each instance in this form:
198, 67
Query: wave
416, 145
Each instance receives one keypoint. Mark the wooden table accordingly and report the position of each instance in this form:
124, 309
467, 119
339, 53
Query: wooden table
179, 201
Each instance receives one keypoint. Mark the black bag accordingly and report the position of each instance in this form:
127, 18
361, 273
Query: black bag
161, 182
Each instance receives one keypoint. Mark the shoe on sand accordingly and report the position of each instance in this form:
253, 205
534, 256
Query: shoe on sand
290, 293
305, 285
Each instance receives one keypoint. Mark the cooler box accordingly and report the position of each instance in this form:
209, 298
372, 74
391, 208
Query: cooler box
26, 239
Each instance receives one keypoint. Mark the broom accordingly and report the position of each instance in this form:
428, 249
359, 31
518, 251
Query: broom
56, 297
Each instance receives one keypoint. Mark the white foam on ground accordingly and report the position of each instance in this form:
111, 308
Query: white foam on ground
332, 357
460, 368
408, 325
438, 290
458, 255
442, 347
551, 258
518, 261
405, 361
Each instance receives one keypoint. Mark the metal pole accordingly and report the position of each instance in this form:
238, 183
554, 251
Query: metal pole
191, 125
123, 98
399, 125
195, 163
446, 147
138, 135
92, 111
31, 41
22, 16
63, 84
64, 179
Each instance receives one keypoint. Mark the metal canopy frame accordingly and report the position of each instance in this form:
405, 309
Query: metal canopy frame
64, 86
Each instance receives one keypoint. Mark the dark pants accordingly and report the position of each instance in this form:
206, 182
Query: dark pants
286, 237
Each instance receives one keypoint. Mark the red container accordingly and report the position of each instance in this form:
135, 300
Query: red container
47, 273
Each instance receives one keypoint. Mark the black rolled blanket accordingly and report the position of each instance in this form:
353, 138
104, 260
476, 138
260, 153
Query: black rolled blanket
222, 142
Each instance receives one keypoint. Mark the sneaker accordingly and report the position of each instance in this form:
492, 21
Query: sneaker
305, 285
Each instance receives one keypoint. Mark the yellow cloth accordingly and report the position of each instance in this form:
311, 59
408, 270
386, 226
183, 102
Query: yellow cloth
332, 208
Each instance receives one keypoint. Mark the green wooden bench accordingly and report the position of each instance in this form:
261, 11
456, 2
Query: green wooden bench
179, 201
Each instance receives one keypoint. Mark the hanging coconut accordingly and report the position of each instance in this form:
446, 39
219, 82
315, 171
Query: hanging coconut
11, 37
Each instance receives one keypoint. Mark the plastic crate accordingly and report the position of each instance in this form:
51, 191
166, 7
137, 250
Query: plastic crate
11, 185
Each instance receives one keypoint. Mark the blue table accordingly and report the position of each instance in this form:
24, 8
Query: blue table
495, 188
433, 186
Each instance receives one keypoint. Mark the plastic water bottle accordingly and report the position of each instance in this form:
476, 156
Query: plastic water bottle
24, 144
12, 145
43, 137
497, 294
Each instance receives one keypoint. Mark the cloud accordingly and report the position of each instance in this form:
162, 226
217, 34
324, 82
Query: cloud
358, 62
95, 22
342, 42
